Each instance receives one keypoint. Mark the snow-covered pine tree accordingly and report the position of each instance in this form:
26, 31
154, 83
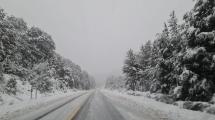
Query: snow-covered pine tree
144, 59
169, 44
11, 86
199, 59
164, 65
42, 42
7, 42
131, 69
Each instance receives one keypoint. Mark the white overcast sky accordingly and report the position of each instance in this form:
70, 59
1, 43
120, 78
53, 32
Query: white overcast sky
96, 34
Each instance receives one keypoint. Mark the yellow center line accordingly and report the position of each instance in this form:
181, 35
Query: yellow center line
76, 109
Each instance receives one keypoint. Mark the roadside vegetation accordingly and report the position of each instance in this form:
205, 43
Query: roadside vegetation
179, 65
30, 65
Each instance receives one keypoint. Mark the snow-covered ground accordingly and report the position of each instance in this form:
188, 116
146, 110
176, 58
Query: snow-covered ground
14, 106
141, 107
113, 105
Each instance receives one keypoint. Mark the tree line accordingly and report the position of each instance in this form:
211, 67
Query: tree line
180, 62
115, 82
29, 54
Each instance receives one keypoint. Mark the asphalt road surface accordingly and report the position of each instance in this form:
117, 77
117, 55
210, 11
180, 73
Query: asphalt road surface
93, 105
98, 107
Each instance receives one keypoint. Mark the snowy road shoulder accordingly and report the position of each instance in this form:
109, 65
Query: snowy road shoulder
139, 107
8, 112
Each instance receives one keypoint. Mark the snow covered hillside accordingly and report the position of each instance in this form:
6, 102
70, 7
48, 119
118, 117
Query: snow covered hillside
30, 68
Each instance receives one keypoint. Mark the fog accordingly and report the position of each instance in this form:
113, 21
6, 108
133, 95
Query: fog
96, 34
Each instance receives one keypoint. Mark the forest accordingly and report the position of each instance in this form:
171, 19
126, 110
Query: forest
180, 62
28, 58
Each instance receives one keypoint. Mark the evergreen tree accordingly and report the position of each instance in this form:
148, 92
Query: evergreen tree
144, 59
164, 65
198, 83
131, 69
11, 87
173, 25
42, 42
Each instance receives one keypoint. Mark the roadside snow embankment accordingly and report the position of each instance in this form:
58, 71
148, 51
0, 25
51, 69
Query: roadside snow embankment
151, 109
15, 107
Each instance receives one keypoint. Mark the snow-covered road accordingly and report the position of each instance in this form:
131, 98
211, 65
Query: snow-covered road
98, 107
109, 105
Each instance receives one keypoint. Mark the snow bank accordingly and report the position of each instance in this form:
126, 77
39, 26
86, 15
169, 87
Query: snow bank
15, 106
144, 105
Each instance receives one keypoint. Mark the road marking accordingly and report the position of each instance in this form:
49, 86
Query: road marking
74, 113
59, 106
77, 109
